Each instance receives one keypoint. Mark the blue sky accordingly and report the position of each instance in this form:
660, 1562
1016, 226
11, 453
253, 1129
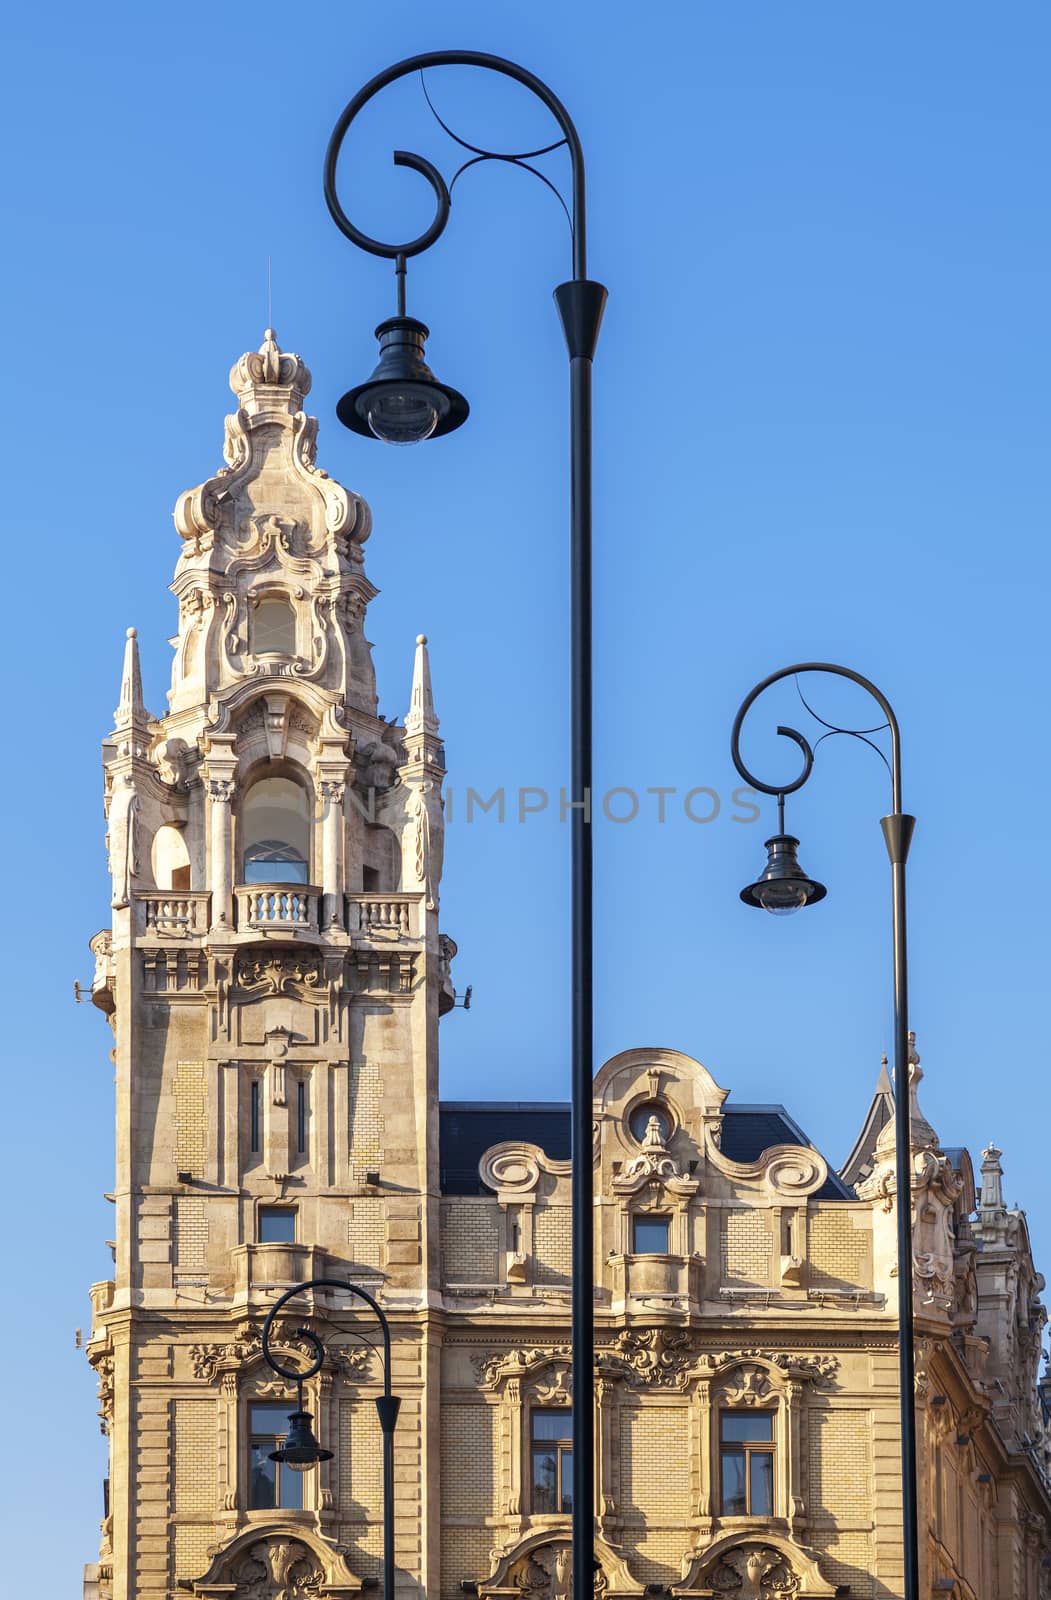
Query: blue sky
821, 425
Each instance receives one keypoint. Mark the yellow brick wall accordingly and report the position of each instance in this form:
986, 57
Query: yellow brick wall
654, 1463
847, 1558
746, 1247
191, 1236
194, 1443
471, 1241
191, 1118
655, 1557
468, 1435
840, 1466
553, 1244
464, 1554
365, 1134
839, 1254
366, 1231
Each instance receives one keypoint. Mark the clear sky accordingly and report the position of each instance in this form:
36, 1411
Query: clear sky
821, 432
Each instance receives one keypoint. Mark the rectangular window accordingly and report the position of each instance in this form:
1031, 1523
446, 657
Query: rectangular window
649, 1236
255, 1116
270, 1483
277, 1225
370, 880
301, 1117
551, 1461
746, 1459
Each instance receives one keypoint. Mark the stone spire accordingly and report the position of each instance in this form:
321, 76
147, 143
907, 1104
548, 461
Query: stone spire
131, 712
421, 716
992, 1211
859, 1163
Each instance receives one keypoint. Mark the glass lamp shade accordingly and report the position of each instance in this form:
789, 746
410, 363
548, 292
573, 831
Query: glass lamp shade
300, 1450
402, 402
783, 887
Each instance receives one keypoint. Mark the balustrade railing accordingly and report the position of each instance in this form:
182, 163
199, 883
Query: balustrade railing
176, 913
383, 916
278, 905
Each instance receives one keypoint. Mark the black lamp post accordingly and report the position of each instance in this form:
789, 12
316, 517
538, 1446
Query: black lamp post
784, 887
301, 1450
402, 402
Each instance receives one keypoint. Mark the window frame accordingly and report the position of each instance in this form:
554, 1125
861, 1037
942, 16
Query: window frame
563, 1452
261, 1439
264, 1214
274, 598
747, 1449
663, 1218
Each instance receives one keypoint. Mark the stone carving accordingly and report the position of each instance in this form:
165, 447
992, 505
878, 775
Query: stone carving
754, 1572
655, 1357
549, 1572
542, 1566
513, 1169
103, 1365
812, 1369
670, 1357
748, 1385
283, 1565
654, 1159
754, 1568
935, 1186
208, 1361
277, 974
493, 1369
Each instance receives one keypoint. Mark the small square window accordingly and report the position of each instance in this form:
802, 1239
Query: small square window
649, 1236
277, 1225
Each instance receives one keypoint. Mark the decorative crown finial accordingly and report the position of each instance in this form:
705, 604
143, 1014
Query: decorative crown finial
270, 367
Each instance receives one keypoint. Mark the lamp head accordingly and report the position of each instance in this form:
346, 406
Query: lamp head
300, 1450
783, 887
402, 402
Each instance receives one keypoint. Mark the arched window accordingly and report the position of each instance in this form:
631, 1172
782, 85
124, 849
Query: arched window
170, 858
273, 626
276, 830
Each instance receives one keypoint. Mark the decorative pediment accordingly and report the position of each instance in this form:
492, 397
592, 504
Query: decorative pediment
495, 1370
671, 1358
284, 1563
245, 1350
540, 1567
753, 1567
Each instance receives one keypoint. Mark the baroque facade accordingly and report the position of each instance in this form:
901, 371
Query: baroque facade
275, 974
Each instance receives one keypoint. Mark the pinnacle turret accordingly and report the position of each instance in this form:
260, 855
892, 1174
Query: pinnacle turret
421, 716
131, 711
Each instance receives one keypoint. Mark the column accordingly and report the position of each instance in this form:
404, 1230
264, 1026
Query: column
332, 793
220, 794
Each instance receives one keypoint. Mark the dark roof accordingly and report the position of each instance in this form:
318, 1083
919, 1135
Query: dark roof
467, 1128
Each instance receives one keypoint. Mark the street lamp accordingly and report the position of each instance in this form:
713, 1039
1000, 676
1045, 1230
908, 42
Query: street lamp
403, 403
300, 1450
789, 889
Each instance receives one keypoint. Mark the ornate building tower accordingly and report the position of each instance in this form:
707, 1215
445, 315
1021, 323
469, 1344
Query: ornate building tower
274, 975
